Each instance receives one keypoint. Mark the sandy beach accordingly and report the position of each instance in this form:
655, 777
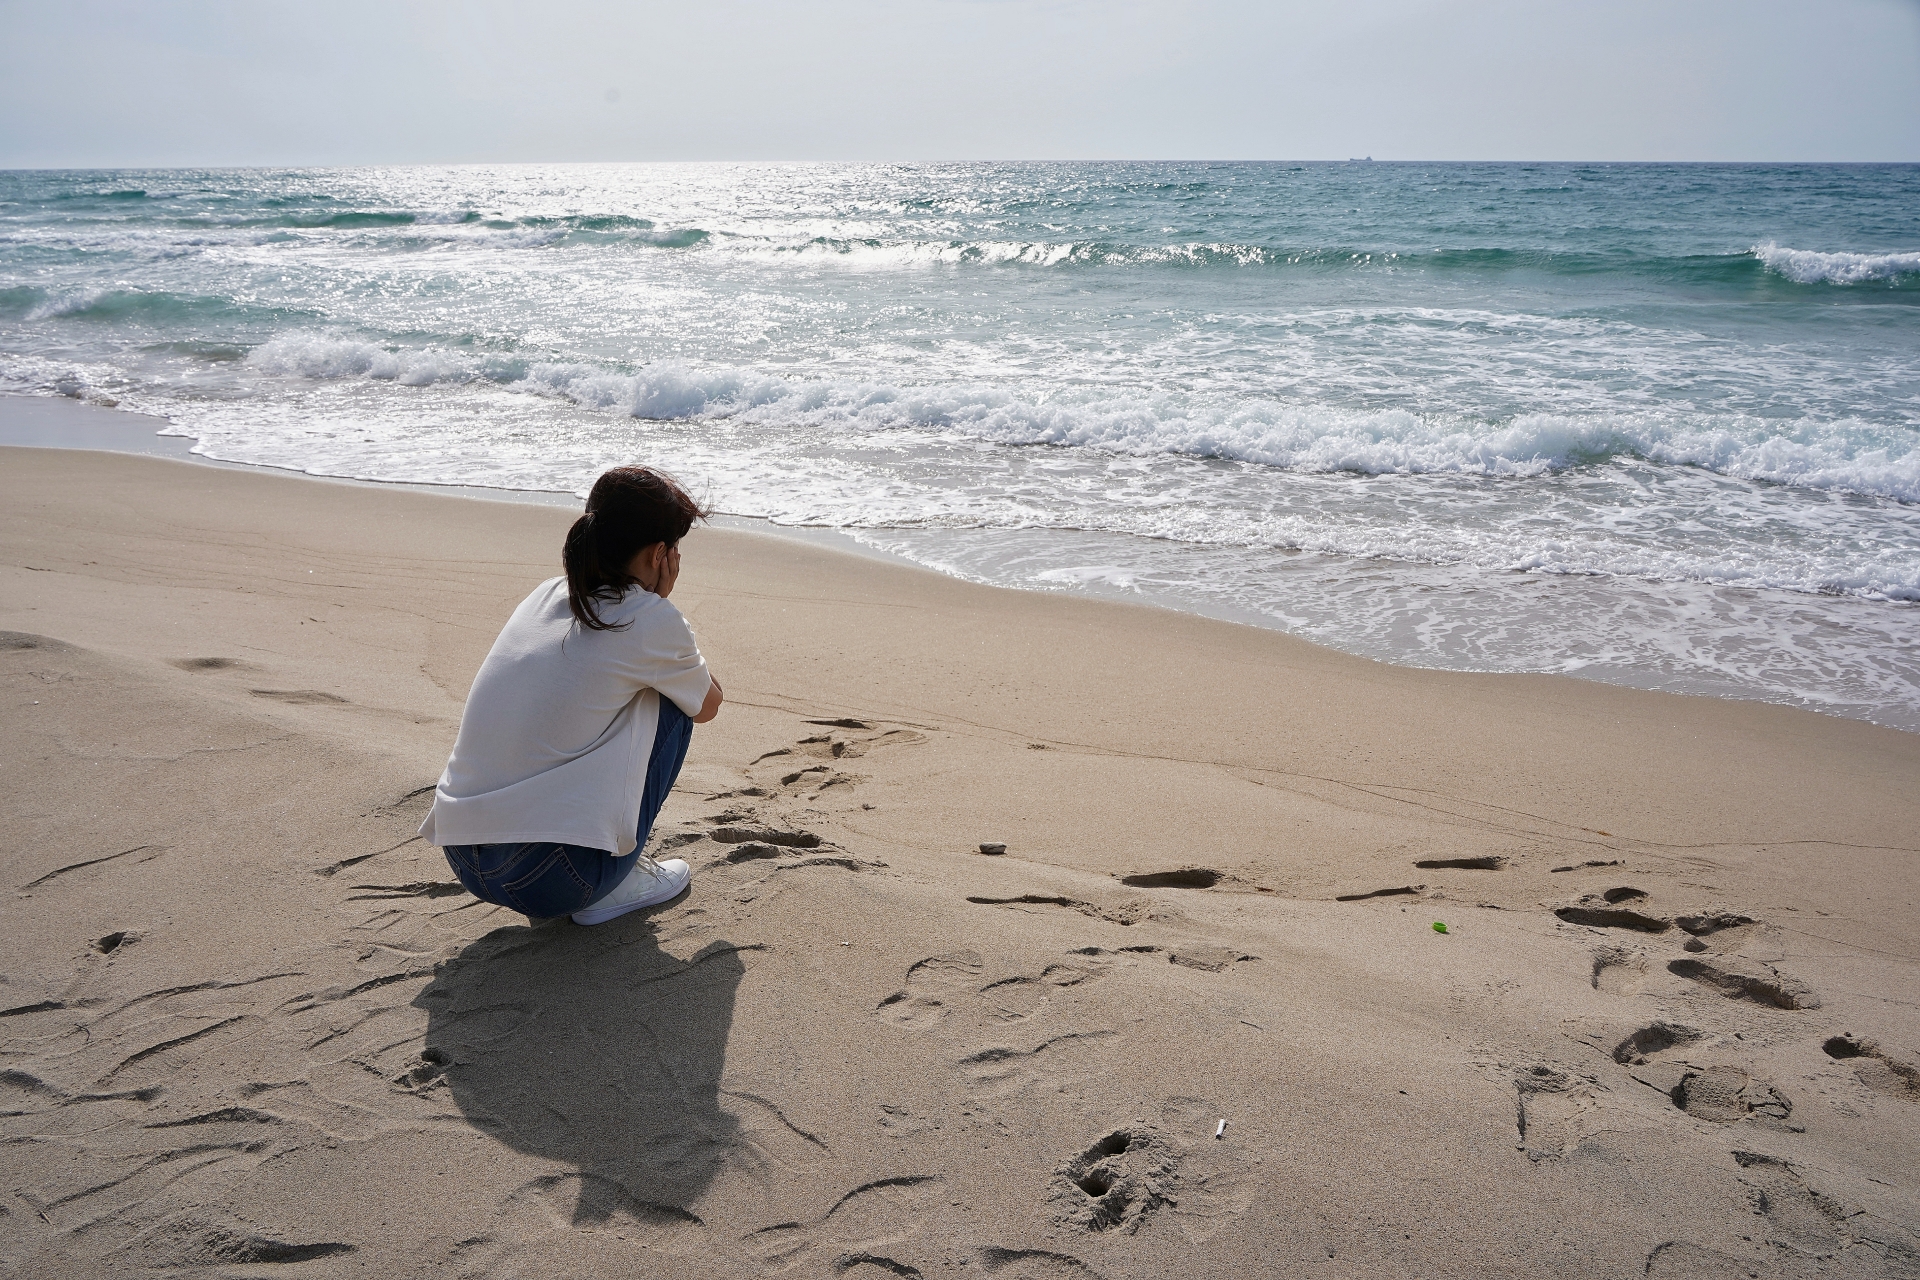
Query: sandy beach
252, 1026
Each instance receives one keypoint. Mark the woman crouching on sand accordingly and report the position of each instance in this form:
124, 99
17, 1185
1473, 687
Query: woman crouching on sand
579, 720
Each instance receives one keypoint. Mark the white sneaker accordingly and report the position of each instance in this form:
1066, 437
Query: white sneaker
648, 884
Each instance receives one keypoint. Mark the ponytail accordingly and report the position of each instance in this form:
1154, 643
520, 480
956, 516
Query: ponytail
628, 509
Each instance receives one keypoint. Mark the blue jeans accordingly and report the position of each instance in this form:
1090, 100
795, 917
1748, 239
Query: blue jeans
542, 879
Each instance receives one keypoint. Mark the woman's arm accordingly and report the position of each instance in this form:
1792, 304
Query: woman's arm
711, 707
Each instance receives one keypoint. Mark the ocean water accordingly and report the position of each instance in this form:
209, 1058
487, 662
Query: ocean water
1652, 424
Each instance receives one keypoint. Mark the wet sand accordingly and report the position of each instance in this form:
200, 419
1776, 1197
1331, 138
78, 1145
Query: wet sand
251, 1025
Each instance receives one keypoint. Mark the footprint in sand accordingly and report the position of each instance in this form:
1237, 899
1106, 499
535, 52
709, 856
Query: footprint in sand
1739, 979
808, 765
857, 1229
1192, 878
1196, 957
1649, 1041
816, 778
744, 840
1619, 971
1555, 1107
1168, 1166
1725, 1094
1021, 996
932, 985
1209, 959
427, 1074
1059, 1062
1596, 913
1815, 1233
1877, 1070
1115, 1184
1797, 1215
938, 985
1717, 931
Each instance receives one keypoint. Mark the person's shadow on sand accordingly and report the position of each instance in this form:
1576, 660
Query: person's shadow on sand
595, 1048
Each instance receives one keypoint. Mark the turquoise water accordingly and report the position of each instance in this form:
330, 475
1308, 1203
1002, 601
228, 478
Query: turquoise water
1644, 423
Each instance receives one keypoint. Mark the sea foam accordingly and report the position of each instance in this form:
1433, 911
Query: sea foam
1849, 456
1810, 266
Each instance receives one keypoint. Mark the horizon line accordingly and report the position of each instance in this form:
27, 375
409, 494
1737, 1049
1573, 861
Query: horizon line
1213, 160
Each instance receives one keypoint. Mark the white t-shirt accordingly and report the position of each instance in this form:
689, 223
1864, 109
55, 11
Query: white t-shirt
559, 726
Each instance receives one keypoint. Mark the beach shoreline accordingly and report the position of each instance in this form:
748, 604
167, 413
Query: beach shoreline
249, 1017
63, 422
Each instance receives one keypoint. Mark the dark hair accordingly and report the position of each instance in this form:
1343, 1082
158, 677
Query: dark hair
628, 508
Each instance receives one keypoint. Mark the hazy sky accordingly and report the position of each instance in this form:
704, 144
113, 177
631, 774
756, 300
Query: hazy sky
142, 82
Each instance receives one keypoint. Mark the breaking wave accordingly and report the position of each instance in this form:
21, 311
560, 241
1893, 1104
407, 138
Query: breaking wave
1809, 266
1843, 456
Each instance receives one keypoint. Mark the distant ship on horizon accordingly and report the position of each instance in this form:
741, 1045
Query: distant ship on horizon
1359, 159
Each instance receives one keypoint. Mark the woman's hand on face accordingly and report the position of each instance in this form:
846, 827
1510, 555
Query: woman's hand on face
656, 568
669, 572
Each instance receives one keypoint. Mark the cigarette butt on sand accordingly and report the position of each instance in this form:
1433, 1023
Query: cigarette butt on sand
1220, 1129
